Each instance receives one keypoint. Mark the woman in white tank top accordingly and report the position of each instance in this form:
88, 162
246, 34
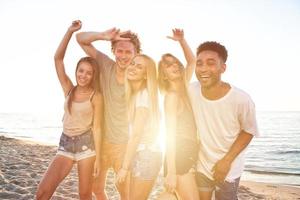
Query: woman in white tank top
81, 124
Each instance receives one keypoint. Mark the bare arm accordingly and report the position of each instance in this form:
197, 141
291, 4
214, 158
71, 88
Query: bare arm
178, 35
59, 57
141, 116
97, 122
171, 104
85, 39
222, 167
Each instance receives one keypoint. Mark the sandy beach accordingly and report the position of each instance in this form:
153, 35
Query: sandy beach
23, 163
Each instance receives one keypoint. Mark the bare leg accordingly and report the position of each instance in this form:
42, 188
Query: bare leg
187, 187
205, 195
123, 188
85, 174
140, 189
58, 169
99, 185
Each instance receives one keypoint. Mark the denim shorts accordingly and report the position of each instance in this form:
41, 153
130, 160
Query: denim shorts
146, 164
223, 191
77, 147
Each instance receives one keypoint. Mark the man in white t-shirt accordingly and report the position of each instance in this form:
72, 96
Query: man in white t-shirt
226, 123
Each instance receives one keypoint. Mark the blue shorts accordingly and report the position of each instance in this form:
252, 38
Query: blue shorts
223, 191
77, 147
146, 164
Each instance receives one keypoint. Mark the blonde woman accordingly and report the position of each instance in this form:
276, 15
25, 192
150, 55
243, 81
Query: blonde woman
181, 137
143, 156
81, 125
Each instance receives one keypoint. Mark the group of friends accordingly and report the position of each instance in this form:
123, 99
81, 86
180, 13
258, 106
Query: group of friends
111, 120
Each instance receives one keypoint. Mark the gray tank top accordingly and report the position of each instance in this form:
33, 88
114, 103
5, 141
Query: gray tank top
186, 126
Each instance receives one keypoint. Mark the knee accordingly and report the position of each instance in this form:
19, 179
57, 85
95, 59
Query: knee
99, 191
100, 195
98, 187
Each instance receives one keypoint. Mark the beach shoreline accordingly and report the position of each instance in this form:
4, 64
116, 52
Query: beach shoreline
23, 163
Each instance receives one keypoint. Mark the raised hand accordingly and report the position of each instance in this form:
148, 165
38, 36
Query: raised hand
76, 25
178, 35
114, 34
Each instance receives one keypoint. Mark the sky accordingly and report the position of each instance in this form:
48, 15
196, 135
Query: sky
262, 38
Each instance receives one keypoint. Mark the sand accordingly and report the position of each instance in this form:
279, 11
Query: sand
22, 165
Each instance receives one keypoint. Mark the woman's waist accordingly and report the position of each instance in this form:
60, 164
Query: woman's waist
75, 132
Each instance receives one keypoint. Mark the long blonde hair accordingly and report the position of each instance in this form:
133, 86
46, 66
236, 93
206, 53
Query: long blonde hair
152, 88
163, 83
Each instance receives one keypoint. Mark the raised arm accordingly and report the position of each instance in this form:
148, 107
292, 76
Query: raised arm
178, 35
85, 39
141, 116
170, 105
60, 54
97, 122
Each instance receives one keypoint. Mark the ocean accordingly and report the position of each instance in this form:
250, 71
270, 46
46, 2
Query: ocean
274, 157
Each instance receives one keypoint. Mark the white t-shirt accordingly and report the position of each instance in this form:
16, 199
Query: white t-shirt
219, 123
149, 137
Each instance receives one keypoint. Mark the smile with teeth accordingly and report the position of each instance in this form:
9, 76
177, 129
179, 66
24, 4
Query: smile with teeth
82, 79
176, 71
204, 77
131, 72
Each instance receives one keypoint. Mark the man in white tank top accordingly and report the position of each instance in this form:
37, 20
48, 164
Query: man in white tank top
226, 123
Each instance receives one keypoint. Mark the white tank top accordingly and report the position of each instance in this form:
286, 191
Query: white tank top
81, 118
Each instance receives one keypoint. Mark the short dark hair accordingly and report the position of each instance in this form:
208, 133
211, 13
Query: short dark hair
133, 38
213, 46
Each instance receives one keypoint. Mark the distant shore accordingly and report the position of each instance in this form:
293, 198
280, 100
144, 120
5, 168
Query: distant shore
23, 163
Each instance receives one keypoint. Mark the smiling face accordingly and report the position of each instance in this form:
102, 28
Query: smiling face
124, 52
136, 71
84, 74
209, 68
172, 69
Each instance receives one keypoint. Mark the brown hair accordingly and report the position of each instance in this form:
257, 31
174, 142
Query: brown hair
133, 38
94, 83
213, 46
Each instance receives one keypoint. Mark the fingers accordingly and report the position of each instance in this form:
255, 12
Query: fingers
96, 172
219, 176
121, 35
121, 176
177, 31
116, 34
170, 183
177, 34
76, 23
120, 179
124, 32
170, 188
